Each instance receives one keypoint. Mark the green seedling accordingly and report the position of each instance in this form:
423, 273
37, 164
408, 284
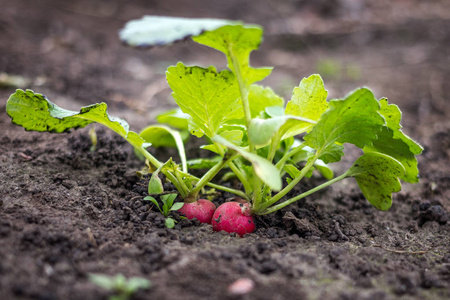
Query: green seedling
167, 207
122, 288
267, 144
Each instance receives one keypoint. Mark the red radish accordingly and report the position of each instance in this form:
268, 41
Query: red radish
202, 209
233, 217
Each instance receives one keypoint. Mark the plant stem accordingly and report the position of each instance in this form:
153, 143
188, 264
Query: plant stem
288, 155
303, 195
181, 181
288, 188
248, 116
241, 177
166, 173
273, 146
207, 177
229, 190
242, 87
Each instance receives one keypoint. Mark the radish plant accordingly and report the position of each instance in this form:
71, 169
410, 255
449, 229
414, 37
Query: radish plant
251, 131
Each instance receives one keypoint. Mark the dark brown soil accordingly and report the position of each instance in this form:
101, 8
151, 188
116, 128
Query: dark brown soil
66, 212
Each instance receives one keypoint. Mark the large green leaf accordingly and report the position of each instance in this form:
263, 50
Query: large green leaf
266, 171
209, 97
159, 31
393, 142
309, 100
377, 176
354, 120
397, 149
237, 42
35, 112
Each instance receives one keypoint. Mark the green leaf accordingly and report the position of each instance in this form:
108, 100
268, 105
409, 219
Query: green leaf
377, 176
203, 163
155, 185
393, 142
393, 116
103, 281
210, 98
177, 206
153, 200
266, 171
175, 118
309, 101
35, 112
274, 111
261, 131
324, 169
135, 283
163, 136
292, 170
354, 120
168, 201
237, 42
260, 98
397, 149
169, 222
158, 31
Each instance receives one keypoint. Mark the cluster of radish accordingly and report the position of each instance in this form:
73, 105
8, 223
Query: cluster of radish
230, 217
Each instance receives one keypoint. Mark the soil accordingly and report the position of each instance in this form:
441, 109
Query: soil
66, 211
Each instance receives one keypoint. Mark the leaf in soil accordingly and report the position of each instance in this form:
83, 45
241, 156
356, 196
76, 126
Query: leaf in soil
163, 136
159, 31
265, 170
135, 283
260, 98
393, 142
169, 222
353, 120
209, 97
309, 101
237, 42
377, 176
155, 185
167, 200
177, 206
154, 201
35, 112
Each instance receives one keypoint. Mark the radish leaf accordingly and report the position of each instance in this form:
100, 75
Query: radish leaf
353, 120
393, 142
377, 176
309, 100
236, 42
209, 97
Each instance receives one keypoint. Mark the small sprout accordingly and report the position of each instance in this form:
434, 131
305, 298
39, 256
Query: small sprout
122, 288
167, 207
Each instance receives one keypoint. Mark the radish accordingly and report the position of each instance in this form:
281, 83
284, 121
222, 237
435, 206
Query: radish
202, 209
233, 217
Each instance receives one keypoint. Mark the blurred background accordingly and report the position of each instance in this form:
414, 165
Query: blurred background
70, 51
